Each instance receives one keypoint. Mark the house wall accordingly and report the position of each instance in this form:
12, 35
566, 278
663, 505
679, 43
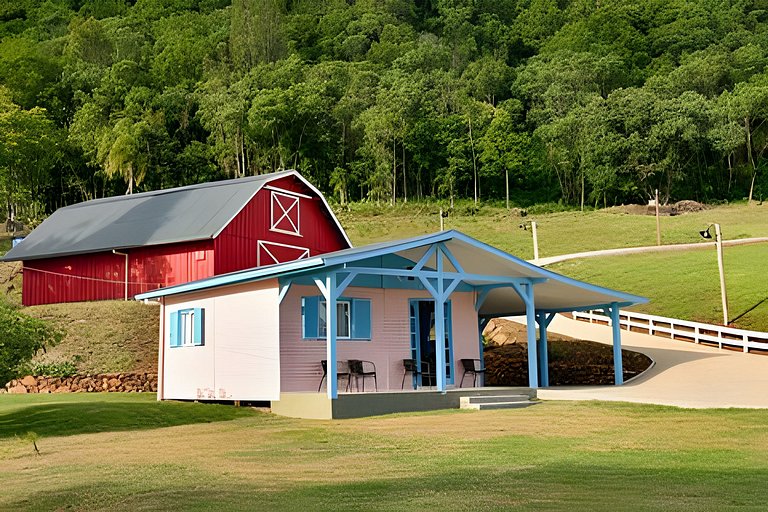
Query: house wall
101, 276
236, 246
390, 333
240, 358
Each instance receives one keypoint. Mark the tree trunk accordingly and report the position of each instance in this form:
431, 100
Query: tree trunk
506, 180
405, 189
394, 170
730, 172
474, 159
751, 158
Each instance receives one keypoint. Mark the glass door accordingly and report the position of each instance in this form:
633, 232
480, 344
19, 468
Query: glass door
423, 344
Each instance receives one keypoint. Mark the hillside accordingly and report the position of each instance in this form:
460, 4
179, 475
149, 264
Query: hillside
118, 336
105, 336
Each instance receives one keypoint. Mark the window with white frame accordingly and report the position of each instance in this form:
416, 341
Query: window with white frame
353, 318
285, 214
186, 327
343, 319
187, 324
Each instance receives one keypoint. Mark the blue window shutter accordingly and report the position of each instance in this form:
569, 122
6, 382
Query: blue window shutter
361, 319
173, 329
199, 328
309, 316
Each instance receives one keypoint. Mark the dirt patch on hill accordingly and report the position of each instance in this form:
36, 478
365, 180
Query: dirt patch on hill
669, 210
571, 361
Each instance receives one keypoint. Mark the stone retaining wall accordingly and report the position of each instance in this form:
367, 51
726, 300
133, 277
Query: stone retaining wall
105, 382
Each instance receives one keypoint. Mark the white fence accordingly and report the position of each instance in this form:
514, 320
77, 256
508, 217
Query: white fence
682, 330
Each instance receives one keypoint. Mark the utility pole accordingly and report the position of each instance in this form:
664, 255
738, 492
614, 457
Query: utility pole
658, 223
723, 293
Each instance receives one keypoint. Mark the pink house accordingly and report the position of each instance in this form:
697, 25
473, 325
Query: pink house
375, 329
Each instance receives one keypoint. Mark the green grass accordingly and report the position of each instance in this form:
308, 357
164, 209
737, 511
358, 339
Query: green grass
104, 336
76, 413
686, 284
555, 456
558, 233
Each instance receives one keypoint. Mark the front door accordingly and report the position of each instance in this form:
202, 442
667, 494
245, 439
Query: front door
423, 344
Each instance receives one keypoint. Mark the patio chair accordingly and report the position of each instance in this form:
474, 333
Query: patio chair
342, 371
471, 366
426, 373
410, 366
362, 369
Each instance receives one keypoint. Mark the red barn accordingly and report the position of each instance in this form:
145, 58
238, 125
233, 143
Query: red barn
121, 246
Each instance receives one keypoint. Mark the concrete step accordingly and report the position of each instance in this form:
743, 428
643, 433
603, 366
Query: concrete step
488, 399
498, 405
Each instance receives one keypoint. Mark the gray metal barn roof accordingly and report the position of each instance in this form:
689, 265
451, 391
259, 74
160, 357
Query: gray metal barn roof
183, 214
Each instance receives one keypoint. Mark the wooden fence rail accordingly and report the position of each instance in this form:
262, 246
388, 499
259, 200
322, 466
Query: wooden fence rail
683, 330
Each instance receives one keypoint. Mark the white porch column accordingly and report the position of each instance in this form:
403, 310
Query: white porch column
618, 366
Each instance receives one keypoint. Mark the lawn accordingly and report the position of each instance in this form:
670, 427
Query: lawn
686, 284
554, 456
558, 233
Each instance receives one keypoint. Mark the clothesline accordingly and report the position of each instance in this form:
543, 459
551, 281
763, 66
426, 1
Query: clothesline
114, 281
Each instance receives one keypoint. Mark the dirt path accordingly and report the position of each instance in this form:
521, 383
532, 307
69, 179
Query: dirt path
684, 374
634, 250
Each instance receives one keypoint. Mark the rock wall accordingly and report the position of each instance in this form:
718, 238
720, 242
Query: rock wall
106, 382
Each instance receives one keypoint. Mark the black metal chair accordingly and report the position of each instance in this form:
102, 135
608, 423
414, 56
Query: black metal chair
471, 366
426, 373
360, 370
410, 366
344, 373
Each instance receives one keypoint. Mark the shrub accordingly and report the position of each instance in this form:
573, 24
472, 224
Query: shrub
21, 336
57, 369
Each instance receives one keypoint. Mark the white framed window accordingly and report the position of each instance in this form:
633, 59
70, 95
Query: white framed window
343, 319
187, 325
186, 328
353, 318
285, 214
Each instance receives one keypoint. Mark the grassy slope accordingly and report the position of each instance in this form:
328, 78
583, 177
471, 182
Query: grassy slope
555, 456
686, 285
559, 233
107, 336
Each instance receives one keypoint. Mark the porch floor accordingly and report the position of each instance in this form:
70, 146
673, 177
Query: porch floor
313, 405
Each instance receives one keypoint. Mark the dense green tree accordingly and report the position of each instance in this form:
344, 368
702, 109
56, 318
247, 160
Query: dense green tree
590, 102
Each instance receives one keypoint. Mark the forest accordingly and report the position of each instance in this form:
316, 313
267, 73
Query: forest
582, 102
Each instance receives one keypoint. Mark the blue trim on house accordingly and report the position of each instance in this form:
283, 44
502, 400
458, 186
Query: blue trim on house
173, 330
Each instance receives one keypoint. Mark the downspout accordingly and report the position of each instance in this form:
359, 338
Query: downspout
161, 355
126, 270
